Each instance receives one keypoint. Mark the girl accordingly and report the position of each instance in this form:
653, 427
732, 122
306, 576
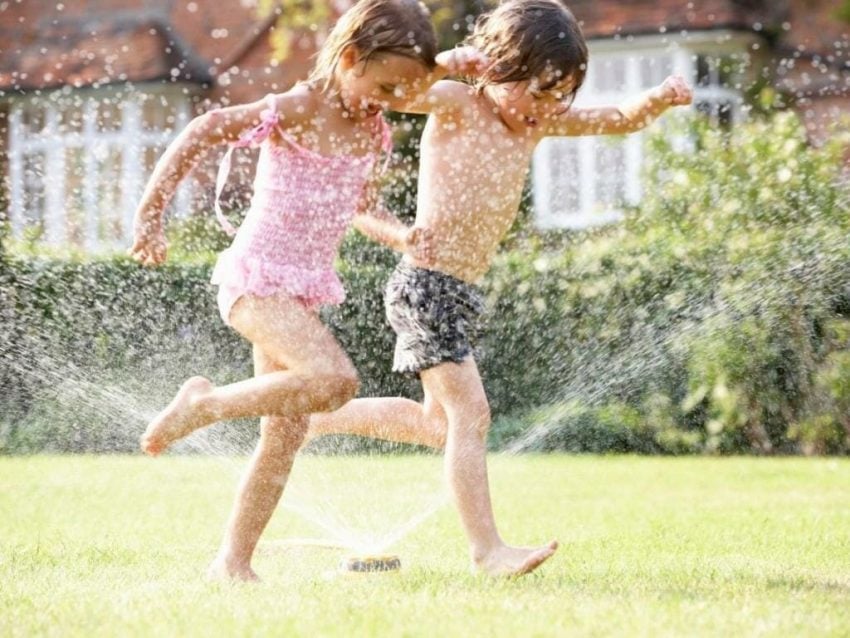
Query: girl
320, 155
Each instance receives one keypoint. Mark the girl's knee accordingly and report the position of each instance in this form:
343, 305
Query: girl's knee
338, 388
282, 436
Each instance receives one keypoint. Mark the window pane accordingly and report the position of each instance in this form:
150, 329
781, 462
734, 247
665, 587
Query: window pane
731, 70
610, 73
75, 220
108, 195
564, 178
70, 119
654, 69
33, 118
705, 71
33, 195
159, 113
719, 111
150, 157
108, 116
723, 71
610, 178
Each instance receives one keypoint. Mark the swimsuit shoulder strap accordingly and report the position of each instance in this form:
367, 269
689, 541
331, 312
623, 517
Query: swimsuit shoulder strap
252, 137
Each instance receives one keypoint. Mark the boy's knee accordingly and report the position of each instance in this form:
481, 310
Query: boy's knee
475, 418
483, 419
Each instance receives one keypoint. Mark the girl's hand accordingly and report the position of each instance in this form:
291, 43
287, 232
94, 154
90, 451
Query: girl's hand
419, 244
675, 91
466, 60
149, 246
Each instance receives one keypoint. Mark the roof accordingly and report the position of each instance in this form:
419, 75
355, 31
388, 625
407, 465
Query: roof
607, 18
798, 28
96, 52
96, 42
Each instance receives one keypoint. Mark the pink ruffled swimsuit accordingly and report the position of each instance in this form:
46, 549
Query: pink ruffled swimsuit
303, 202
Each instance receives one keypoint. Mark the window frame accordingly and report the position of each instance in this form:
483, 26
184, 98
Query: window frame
130, 139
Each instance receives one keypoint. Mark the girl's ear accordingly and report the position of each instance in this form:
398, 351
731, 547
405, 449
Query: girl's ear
349, 57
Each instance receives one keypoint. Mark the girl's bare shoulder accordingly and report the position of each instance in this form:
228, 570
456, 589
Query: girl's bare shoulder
297, 105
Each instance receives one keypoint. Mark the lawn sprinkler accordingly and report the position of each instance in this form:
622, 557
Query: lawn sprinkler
387, 563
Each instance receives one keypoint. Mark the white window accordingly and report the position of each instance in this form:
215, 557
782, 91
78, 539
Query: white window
718, 81
581, 182
78, 161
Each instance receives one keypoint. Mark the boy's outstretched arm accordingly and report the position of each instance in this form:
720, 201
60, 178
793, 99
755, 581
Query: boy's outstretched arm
630, 116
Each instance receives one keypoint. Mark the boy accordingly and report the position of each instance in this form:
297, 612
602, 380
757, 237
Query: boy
475, 153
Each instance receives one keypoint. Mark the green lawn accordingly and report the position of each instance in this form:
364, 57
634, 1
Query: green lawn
93, 546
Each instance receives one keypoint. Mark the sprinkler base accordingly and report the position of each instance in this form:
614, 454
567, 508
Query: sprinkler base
370, 564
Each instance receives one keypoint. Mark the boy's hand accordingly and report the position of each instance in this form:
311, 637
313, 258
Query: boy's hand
419, 244
465, 60
675, 91
149, 245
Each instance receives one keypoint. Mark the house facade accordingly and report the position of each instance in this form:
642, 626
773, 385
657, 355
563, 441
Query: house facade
725, 48
91, 92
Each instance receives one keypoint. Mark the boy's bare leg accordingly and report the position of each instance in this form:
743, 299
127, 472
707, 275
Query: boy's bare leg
459, 391
314, 374
388, 418
260, 489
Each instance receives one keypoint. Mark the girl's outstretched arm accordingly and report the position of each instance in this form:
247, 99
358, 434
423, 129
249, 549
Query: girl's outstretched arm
380, 225
630, 116
183, 153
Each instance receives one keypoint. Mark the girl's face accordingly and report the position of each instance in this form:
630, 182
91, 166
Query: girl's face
524, 105
384, 82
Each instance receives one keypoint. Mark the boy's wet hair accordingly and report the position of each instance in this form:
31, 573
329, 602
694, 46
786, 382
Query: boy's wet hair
526, 39
374, 28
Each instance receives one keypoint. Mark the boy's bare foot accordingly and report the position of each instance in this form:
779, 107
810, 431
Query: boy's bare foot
221, 569
515, 561
178, 419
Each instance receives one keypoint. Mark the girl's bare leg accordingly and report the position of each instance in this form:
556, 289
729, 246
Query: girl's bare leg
315, 375
458, 389
261, 488
388, 418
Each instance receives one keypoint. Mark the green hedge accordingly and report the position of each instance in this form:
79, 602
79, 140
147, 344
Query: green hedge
718, 313
716, 318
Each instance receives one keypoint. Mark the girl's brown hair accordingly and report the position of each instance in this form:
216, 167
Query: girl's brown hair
525, 39
376, 27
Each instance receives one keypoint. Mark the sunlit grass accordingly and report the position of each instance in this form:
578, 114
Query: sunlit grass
650, 546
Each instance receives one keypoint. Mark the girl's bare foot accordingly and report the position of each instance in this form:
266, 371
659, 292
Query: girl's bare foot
178, 419
514, 561
222, 569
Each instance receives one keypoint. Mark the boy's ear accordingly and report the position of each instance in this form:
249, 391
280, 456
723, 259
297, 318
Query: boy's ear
349, 57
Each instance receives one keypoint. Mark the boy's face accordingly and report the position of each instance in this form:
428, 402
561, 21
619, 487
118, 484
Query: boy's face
524, 105
385, 82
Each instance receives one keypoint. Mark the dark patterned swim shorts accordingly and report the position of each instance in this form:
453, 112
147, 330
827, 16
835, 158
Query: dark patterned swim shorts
436, 317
